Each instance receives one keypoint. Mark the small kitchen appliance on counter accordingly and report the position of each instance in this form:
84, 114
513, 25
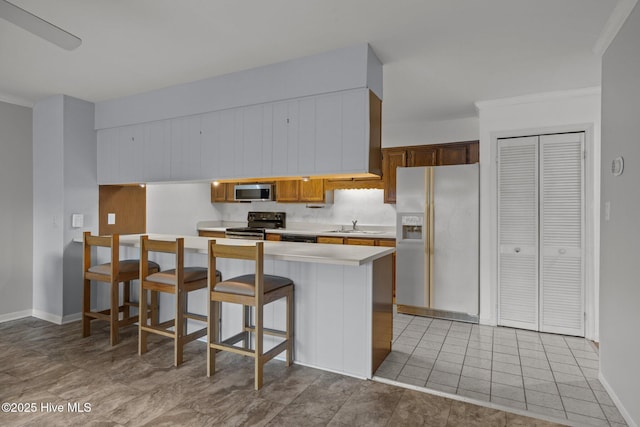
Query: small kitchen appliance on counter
257, 223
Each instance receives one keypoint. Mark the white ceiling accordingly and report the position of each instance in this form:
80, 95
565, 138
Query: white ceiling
439, 56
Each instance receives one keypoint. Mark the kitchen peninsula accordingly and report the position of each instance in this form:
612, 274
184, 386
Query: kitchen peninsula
343, 298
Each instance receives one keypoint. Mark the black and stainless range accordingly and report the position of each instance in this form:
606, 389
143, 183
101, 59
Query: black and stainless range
257, 223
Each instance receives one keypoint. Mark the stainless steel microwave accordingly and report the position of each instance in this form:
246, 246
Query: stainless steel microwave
253, 192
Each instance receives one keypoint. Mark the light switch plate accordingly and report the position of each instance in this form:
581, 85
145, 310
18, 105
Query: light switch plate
111, 218
77, 220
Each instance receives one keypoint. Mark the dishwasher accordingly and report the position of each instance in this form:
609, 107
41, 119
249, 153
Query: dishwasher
301, 238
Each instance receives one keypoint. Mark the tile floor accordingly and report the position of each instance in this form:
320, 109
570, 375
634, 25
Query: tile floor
547, 374
44, 363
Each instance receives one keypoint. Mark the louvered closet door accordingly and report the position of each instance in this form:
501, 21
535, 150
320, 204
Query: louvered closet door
518, 232
562, 234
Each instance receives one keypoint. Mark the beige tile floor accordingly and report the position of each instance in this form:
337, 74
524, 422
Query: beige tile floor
546, 374
42, 363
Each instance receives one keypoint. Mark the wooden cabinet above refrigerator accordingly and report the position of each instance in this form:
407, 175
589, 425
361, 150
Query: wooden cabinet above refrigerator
454, 153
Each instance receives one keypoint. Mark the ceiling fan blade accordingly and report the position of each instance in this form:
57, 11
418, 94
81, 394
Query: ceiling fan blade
38, 26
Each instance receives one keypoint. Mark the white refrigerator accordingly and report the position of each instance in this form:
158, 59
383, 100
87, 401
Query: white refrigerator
437, 234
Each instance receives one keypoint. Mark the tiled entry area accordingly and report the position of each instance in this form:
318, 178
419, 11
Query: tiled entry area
546, 374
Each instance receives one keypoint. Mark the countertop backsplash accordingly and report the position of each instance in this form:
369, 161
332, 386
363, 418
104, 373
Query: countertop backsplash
366, 206
177, 208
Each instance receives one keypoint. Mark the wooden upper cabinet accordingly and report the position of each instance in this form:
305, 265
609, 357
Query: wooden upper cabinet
298, 191
287, 191
218, 192
375, 134
391, 159
422, 156
223, 192
312, 190
455, 153
473, 153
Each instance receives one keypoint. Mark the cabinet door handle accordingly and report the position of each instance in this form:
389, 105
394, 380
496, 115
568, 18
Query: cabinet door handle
517, 250
562, 251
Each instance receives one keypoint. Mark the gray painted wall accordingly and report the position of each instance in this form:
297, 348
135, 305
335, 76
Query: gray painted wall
620, 236
16, 196
47, 208
80, 193
64, 182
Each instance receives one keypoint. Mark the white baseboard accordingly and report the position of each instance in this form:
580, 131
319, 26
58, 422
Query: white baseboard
58, 320
47, 316
15, 315
616, 400
71, 318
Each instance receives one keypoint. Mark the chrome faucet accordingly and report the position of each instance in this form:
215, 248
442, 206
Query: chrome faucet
354, 222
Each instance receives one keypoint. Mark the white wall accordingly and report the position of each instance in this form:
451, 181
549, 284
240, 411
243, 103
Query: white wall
531, 115
48, 202
16, 215
620, 236
80, 194
400, 134
64, 182
176, 208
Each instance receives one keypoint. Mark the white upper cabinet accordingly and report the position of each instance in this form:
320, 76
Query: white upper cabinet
267, 140
227, 141
356, 127
328, 133
252, 141
108, 156
284, 153
186, 148
131, 152
314, 135
306, 116
157, 151
322, 134
210, 161
342, 132
120, 154
306, 139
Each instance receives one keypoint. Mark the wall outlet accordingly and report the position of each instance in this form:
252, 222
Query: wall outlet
111, 218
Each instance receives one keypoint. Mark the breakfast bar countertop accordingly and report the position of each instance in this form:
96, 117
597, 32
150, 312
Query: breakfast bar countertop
284, 251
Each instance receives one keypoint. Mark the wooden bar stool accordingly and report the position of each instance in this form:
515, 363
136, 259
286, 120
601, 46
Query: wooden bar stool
179, 282
251, 290
114, 272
